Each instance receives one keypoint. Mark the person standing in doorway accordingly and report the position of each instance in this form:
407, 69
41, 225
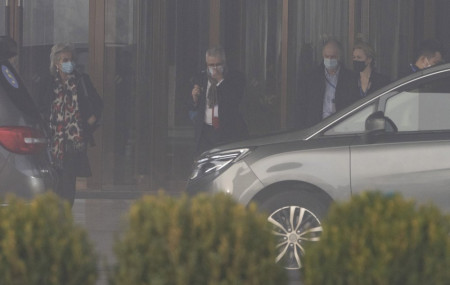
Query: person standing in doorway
429, 53
330, 87
216, 96
364, 65
71, 107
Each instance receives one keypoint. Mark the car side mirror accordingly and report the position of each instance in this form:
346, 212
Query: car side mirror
377, 123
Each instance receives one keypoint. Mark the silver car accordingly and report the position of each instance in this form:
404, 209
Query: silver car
25, 169
395, 140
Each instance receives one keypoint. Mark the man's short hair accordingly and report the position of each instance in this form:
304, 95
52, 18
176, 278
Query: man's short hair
336, 43
216, 51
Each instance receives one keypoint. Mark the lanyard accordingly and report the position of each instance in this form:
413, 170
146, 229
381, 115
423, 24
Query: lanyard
331, 84
361, 92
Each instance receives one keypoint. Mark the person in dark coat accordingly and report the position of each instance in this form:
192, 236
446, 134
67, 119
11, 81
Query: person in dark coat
215, 99
430, 52
328, 88
71, 107
364, 64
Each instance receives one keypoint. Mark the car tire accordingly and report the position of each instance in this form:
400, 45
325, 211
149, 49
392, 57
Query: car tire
296, 219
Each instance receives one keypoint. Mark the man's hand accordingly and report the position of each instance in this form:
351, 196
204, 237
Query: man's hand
92, 119
196, 93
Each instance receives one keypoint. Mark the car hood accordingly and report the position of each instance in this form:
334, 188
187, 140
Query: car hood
282, 137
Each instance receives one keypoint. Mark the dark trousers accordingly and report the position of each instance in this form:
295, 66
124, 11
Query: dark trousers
67, 179
209, 137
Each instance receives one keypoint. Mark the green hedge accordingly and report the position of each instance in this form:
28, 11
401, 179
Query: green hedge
375, 239
203, 240
40, 244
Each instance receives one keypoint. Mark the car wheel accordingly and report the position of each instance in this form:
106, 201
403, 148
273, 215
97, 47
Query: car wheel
295, 217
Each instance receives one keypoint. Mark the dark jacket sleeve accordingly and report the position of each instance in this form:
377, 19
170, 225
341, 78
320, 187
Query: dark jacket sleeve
90, 101
347, 90
231, 93
314, 94
378, 81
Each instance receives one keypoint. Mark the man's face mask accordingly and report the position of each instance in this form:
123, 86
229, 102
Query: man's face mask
330, 63
213, 69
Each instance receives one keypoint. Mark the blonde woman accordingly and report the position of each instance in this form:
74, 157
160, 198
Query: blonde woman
71, 107
364, 64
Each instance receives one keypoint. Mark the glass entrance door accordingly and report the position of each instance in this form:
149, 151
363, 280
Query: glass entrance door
151, 49
120, 96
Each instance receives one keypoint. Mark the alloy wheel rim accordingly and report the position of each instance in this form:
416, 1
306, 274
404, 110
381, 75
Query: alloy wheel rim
294, 227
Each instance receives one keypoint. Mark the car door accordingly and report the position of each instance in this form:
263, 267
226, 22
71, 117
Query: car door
415, 160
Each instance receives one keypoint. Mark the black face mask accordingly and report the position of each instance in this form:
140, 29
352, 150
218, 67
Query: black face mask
359, 66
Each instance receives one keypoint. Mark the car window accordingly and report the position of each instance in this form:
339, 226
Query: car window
425, 108
353, 124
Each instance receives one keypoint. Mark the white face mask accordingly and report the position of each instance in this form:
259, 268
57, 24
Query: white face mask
330, 63
218, 69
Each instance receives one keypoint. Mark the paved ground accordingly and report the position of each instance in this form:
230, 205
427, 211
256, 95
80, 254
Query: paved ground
103, 218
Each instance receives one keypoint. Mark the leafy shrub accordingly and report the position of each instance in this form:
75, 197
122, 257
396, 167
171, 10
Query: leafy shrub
375, 239
203, 240
40, 244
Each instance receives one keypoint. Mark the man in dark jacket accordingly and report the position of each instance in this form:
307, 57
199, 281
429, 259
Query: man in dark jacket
216, 96
328, 88
430, 52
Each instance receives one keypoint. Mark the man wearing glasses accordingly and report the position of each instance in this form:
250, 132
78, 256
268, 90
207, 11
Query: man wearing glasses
216, 96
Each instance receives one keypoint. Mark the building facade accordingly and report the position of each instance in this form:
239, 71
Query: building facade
141, 55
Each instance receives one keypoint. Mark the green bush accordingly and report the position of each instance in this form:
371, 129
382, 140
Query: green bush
375, 239
40, 244
203, 240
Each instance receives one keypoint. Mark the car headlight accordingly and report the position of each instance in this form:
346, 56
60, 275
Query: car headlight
214, 162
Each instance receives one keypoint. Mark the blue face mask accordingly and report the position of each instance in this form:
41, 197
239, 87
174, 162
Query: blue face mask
330, 63
67, 67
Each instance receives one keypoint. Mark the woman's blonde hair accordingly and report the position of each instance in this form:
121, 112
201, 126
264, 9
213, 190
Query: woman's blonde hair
55, 53
367, 49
